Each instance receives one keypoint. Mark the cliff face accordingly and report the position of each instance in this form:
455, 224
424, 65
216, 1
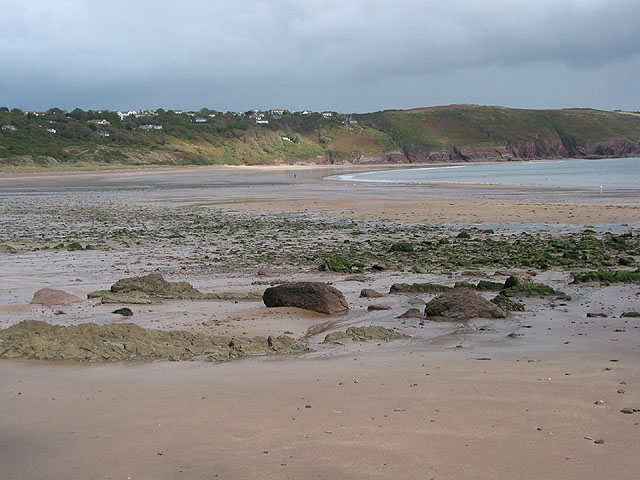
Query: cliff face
530, 150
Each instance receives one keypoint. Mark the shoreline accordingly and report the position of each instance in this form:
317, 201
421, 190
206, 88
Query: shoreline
446, 403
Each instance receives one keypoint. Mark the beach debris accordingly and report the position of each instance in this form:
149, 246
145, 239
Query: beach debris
598, 442
599, 402
370, 293
628, 410
127, 341
375, 307
50, 297
363, 334
596, 315
124, 311
462, 304
315, 296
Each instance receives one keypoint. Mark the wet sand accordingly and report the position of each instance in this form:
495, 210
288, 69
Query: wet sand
433, 406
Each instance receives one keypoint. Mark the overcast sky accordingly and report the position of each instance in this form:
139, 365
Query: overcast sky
348, 56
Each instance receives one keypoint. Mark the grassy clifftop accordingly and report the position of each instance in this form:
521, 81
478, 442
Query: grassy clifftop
453, 133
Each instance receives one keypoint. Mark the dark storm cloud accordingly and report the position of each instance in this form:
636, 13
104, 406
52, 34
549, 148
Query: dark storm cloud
345, 55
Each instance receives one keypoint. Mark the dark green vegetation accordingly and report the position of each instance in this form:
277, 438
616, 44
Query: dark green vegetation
619, 276
208, 238
458, 133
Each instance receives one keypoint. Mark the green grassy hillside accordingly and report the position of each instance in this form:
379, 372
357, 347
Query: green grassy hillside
454, 133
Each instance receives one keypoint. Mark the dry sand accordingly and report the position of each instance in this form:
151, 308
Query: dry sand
433, 406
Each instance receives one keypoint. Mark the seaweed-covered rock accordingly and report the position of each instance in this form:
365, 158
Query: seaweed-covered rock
50, 297
506, 304
619, 276
127, 341
523, 285
315, 296
418, 288
462, 304
363, 334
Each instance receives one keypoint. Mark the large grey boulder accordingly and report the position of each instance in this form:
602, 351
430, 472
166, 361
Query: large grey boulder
462, 304
316, 296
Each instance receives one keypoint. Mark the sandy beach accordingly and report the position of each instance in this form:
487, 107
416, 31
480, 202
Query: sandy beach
536, 395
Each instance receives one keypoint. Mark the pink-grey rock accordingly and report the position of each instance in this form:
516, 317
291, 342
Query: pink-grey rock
50, 297
462, 304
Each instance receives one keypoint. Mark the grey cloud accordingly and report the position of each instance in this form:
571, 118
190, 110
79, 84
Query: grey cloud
343, 55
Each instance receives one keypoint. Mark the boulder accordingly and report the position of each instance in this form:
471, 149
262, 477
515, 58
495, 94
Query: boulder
370, 293
315, 296
50, 296
462, 304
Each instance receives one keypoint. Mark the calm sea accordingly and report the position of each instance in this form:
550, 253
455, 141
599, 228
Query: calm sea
615, 173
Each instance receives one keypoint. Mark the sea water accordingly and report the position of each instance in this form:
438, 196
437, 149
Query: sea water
612, 173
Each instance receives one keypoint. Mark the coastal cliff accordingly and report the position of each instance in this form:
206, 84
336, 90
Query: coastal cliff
455, 133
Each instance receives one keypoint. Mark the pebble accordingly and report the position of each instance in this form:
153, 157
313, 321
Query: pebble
628, 411
599, 441
599, 402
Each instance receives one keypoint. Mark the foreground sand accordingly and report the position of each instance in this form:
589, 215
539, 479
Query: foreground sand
452, 402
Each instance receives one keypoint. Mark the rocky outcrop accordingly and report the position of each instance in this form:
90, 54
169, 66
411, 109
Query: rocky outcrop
126, 341
462, 304
363, 334
315, 296
154, 285
49, 297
